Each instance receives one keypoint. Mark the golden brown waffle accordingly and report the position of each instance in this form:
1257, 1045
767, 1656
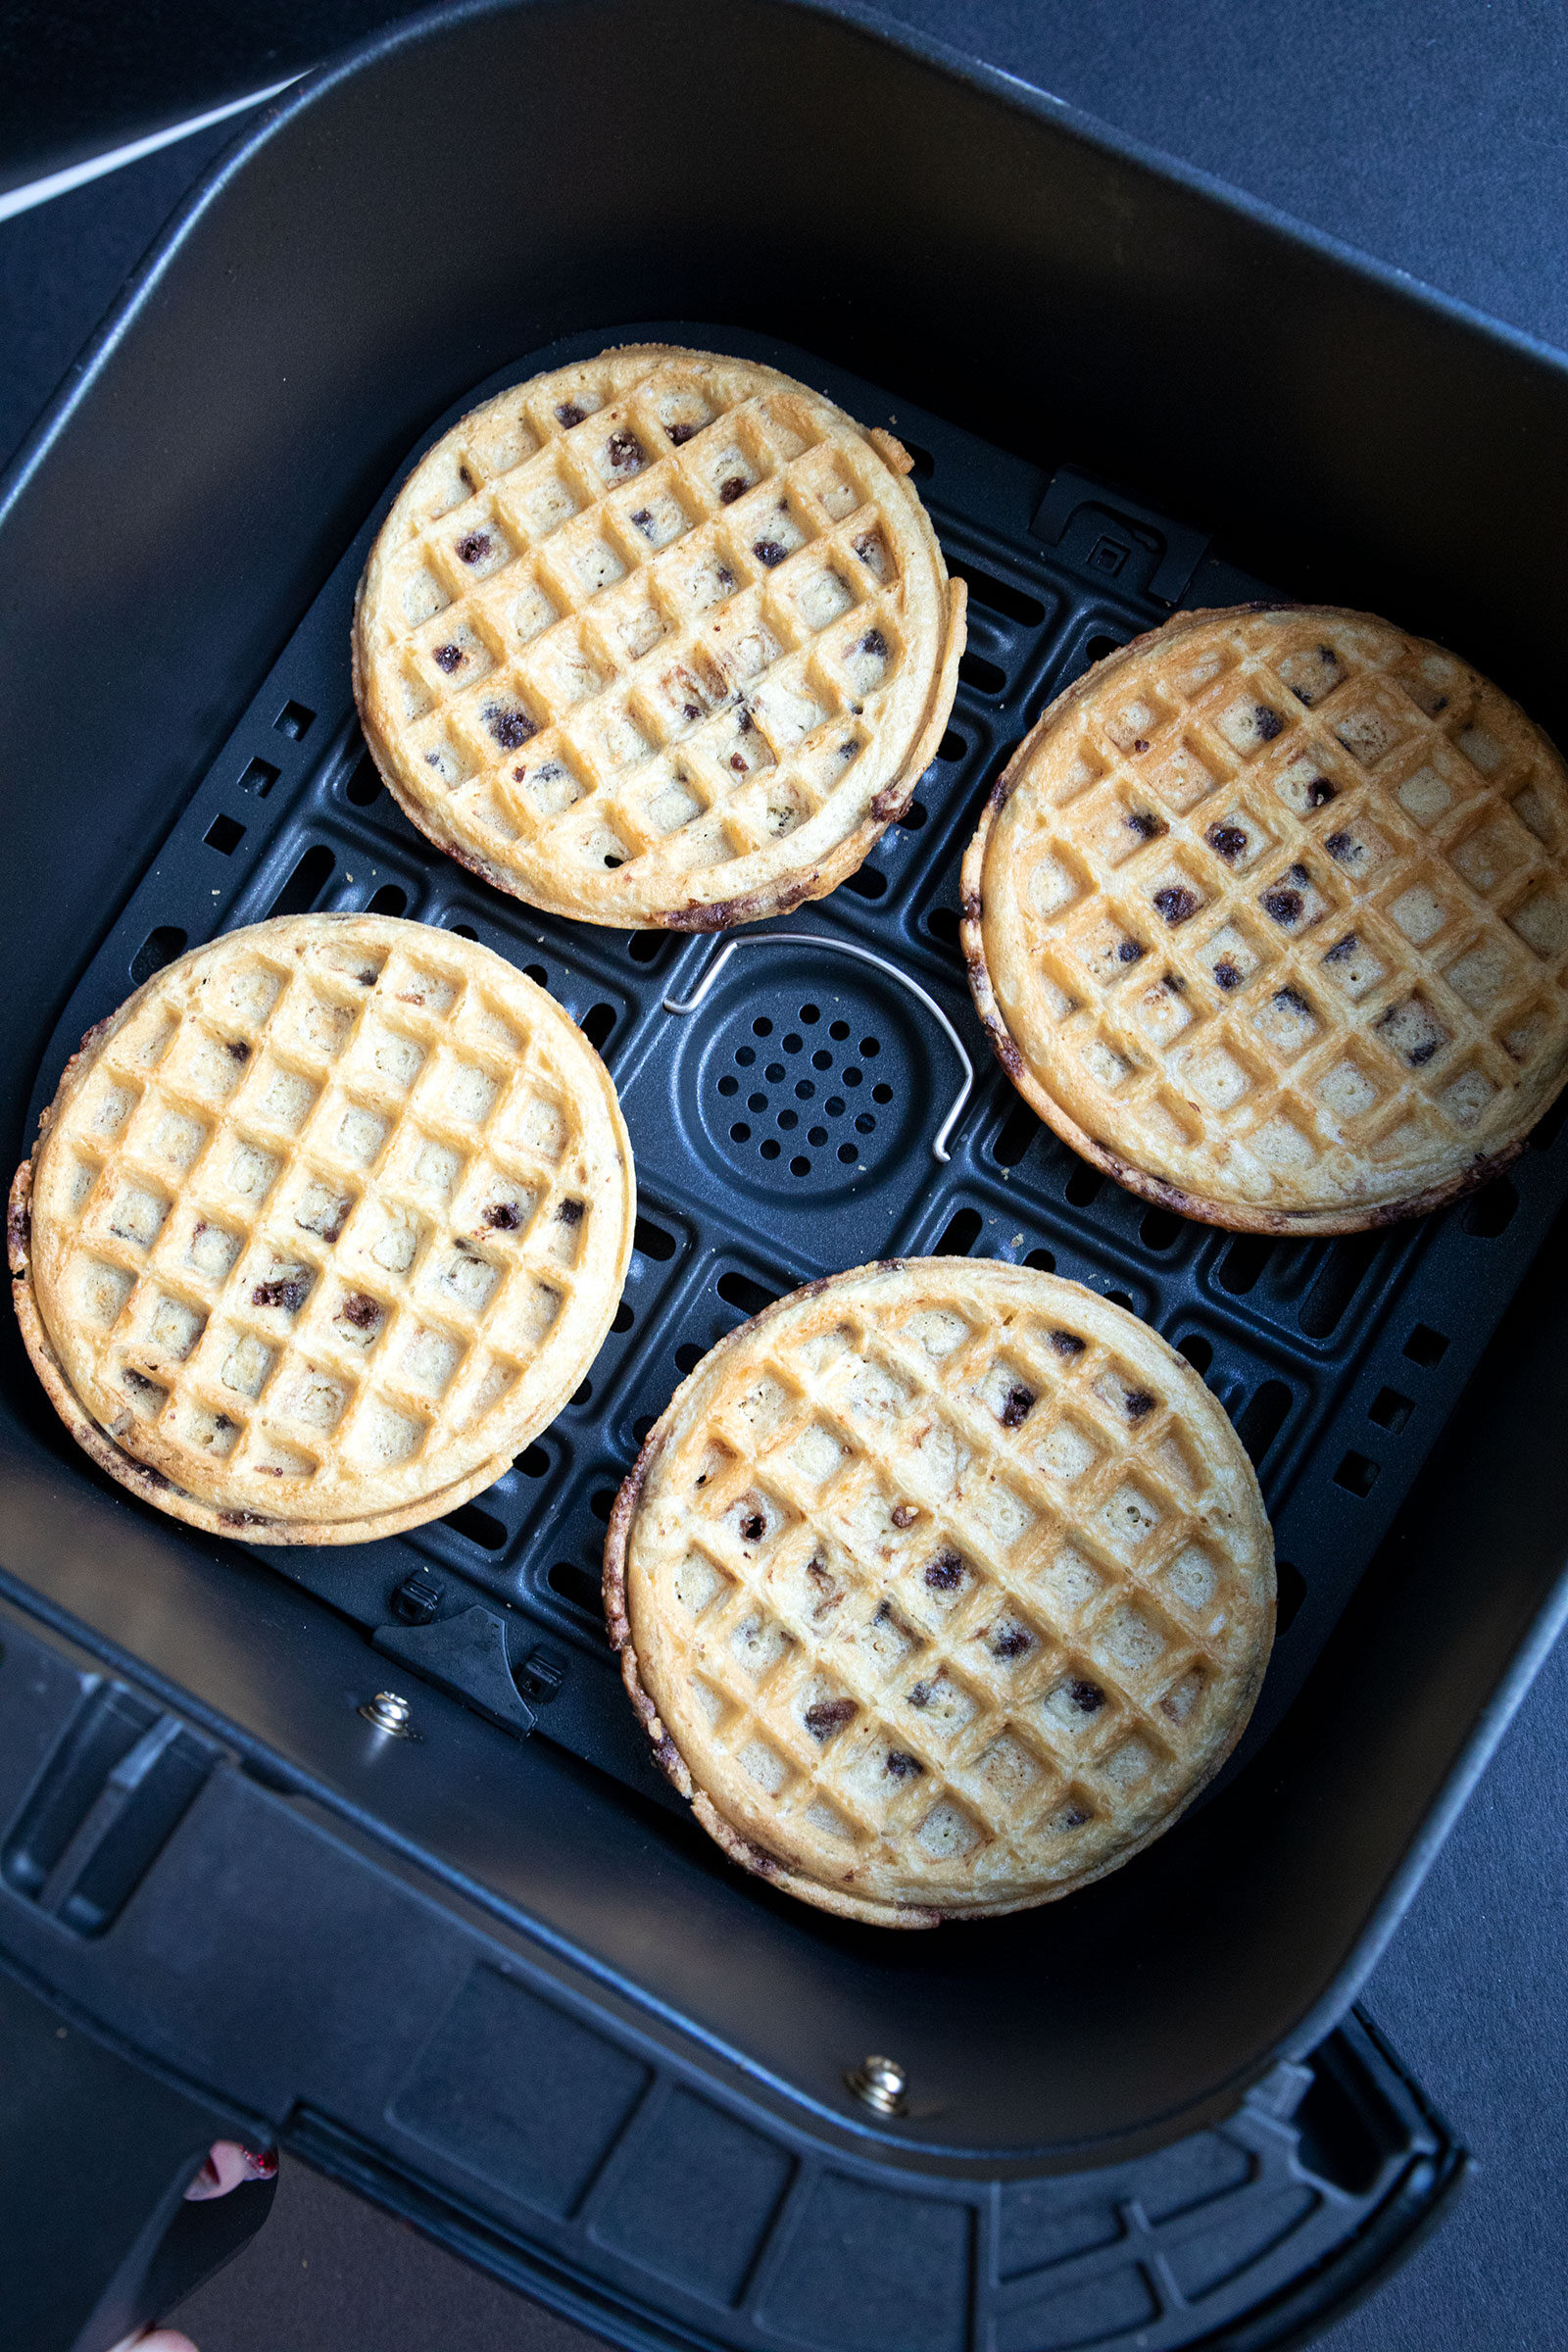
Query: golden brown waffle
663, 637
321, 1227
940, 1588
1268, 919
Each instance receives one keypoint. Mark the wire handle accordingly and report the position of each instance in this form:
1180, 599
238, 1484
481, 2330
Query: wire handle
843, 947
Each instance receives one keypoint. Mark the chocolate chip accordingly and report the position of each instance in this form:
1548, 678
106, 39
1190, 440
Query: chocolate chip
874, 644
1228, 841
1290, 999
475, 547
1011, 1643
829, 1594
465, 477
1267, 722
511, 730
644, 520
1075, 1817
1342, 847
1088, 1697
236, 1049
751, 1528
691, 711
945, 1573
1017, 1408
1147, 827
1137, 1402
1228, 976
1176, 984
568, 414
768, 552
624, 452
905, 1514
829, 1715
681, 434
289, 1292
1441, 704
920, 1696
739, 764
221, 1424
902, 1766
1285, 905
1319, 791
1420, 1054
568, 1213
1342, 950
745, 724
1299, 873
1067, 1343
360, 1310
138, 1385
368, 978
847, 750
1141, 744
1175, 904
725, 577
733, 489
1129, 952
447, 657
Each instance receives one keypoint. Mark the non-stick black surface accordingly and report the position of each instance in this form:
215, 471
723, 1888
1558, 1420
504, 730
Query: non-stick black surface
784, 1129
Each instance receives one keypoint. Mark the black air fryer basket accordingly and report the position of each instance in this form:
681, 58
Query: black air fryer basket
492, 1973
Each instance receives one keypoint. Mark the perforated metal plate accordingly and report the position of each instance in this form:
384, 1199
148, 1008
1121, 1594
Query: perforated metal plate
784, 1128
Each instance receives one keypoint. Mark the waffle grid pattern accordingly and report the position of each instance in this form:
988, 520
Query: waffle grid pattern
1291, 914
960, 1592
314, 1221
645, 620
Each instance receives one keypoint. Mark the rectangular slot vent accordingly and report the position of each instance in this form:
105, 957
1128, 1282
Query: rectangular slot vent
118, 1786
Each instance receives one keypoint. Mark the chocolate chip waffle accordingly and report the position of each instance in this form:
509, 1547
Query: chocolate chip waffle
662, 638
940, 1588
1268, 919
321, 1227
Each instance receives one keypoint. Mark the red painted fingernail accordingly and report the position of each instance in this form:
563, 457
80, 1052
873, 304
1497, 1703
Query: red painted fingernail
265, 2163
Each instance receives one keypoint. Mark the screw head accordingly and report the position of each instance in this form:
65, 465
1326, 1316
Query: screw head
389, 1713
880, 2083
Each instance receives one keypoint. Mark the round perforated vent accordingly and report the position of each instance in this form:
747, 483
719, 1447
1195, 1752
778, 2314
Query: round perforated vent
806, 1090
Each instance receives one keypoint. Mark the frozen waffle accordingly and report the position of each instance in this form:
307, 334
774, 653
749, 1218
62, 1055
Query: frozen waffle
321, 1227
1268, 917
940, 1588
658, 638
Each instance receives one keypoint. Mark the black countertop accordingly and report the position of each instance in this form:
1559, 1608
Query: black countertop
1431, 134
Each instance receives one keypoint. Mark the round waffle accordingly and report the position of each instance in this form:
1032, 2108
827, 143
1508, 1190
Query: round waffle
1268, 917
940, 1588
321, 1227
659, 638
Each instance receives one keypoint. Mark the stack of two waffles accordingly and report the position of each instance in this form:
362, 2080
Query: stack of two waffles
941, 1587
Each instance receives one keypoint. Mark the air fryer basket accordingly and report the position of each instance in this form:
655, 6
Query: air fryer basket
1109, 374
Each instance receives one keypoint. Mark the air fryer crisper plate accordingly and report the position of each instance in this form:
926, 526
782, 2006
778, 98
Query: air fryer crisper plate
790, 1106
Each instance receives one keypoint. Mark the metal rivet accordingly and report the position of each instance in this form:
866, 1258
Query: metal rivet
389, 1713
880, 2083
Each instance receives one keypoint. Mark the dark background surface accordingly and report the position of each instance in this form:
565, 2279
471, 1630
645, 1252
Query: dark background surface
1434, 136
